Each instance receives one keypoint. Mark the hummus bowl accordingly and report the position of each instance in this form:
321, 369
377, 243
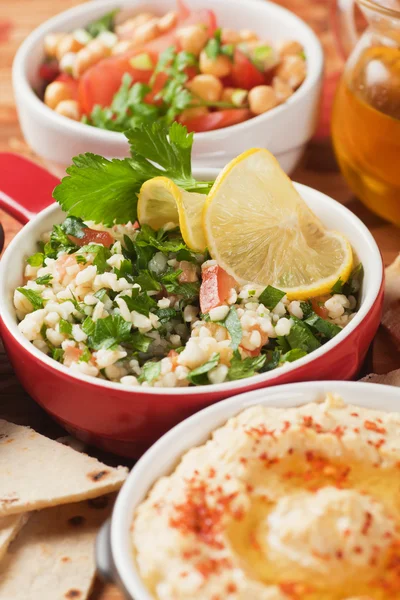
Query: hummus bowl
125, 420
285, 130
115, 554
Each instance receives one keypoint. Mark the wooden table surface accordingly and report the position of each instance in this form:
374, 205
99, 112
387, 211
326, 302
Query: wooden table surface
318, 169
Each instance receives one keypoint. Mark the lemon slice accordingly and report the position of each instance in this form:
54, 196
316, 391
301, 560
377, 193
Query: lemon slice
261, 232
162, 202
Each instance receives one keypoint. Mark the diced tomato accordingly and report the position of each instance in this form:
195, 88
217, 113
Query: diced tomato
72, 355
93, 236
49, 71
244, 74
99, 84
318, 305
160, 80
215, 287
72, 83
217, 120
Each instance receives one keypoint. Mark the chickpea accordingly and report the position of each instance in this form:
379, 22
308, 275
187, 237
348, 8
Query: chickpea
193, 113
227, 94
282, 89
261, 99
146, 32
126, 29
192, 38
68, 44
123, 46
168, 21
230, 36
55, 93
69, 108
51, 42
206, 87
89, 56
290, 47
235, 96
246, 35
292, 70
219, 67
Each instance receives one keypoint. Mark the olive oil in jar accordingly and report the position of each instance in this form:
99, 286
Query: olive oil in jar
366, 129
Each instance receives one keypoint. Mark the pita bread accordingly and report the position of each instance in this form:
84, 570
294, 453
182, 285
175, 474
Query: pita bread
392, 378
9, 527
53, 556
36, 472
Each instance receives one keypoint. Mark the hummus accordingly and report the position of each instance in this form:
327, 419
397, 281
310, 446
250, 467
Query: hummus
280, 504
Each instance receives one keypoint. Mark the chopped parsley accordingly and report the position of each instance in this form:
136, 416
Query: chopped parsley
240, 369
270, 297
199, 376
34, 298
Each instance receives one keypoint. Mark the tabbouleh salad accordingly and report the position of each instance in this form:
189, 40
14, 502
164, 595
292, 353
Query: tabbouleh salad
109, 298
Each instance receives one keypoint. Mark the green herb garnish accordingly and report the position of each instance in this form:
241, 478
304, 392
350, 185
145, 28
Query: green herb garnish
199, 376
240, 369
270, 297
34, 298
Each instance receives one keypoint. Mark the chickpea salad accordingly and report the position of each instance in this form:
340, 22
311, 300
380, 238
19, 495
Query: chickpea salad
112, 298
181, 66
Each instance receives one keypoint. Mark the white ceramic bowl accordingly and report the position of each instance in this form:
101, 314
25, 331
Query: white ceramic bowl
284, 131
114, 547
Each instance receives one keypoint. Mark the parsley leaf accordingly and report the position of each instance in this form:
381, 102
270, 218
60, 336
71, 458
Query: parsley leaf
139, 341
65, 327
188, 291
293, 355
141, 303
150, 371
36, 260
232, 324
88, 326
105, 191
147, 282
105, 23
57, 354
199, 376
301, 336
326, 328
337, 287
171, 149
166, 314
108, 332
240, 369
44, 280
270, 297
74, 226
273, 360
101, 255
101, 190
215, 48
34, 298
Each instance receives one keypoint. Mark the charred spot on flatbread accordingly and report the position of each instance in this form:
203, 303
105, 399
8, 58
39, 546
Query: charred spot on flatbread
98, 475
99, 503
65, 559
73, 594
3, 436
76, 521
9, 499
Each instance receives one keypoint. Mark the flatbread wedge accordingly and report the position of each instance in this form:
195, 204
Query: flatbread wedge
52, 558
9, 528
36, 472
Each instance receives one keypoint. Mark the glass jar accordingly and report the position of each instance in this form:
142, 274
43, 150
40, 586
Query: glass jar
366, 112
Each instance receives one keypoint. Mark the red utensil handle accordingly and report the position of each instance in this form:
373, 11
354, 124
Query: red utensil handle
25, 188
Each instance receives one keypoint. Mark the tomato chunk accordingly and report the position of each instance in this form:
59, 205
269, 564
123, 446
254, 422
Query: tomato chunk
99, 83
318, 305
93, 236
244, 74
215, 287
216, 120
48, 71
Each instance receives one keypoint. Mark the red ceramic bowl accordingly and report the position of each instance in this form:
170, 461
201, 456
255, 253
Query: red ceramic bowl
127, 421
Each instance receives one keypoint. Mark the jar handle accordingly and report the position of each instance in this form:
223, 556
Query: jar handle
25, 188
344, 26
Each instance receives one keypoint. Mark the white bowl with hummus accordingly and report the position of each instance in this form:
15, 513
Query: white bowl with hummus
295, 497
